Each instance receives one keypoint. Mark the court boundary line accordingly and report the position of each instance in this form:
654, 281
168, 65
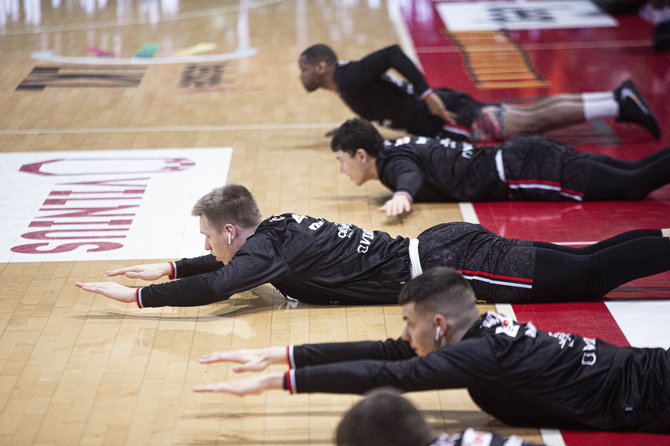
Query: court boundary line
137, 21
547, 46
177, 128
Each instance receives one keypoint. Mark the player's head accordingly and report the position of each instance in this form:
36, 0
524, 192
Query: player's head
356, 144
226, 214
436, 306
383, 418
316, 62
357, 134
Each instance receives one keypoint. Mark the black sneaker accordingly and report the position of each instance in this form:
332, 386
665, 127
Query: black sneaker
662, 37
633, 108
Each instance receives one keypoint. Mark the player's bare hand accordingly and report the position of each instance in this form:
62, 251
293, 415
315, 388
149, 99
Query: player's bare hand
249, 359
112, 290
246, 386
396, 205
150, 271
437, 108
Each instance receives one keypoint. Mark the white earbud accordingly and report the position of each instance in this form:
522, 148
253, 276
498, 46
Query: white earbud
230, 241
437, 333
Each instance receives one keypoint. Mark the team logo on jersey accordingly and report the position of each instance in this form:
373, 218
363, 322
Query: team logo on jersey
344, 230
316, 225
563, 339
589, 356
507, 327
297, 217
402, 141
531, 331
502, 323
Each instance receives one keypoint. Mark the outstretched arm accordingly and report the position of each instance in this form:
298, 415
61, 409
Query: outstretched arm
249, 359
150, 271
112, 290
123, 293
246, 386
397, 205
341, 356
393, 56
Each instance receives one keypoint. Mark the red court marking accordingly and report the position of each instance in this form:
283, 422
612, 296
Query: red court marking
583, 438
599, 60
590, 319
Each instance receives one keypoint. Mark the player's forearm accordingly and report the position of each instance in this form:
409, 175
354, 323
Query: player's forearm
345, 377
334, 352
189, 292
272, 381
196, 265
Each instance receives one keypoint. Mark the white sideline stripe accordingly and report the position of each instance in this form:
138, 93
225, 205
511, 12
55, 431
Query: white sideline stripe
506, 310
552, 437
643, 322
403, 33
177, 128
468, 213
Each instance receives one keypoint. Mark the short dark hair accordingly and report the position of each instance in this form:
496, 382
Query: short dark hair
383, 418
440, 289
319, 53
229, 204
357, 134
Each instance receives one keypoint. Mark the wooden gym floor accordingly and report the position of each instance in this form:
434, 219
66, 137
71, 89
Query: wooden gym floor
76, 368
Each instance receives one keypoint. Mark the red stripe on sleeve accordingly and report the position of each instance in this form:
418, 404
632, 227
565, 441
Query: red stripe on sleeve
287, 381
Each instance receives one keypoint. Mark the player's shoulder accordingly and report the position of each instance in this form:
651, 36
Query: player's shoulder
292, 222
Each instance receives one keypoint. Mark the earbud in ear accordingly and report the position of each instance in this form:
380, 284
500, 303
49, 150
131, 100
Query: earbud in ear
437, 333
230, 241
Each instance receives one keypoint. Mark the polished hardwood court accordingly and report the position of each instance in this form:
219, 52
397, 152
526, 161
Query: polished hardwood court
76, 368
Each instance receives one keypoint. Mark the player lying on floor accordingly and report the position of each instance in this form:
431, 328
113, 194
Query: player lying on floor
515, 372
317, 261
385, 418
372, 93
525, 167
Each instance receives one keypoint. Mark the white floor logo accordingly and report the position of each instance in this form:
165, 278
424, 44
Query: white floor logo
94, 205
491, 16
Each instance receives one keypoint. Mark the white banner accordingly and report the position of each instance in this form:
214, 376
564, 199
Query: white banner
491, 16
105, 205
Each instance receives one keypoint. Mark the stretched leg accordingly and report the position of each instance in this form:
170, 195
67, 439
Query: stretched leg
625, 103
631, 165
540, 118
610, 180
603, 244
565, 276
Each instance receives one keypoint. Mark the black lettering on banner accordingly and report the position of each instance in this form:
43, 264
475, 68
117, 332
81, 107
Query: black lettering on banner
520, 14
84, 76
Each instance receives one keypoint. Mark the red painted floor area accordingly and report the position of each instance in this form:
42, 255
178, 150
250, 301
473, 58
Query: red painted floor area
570, 61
